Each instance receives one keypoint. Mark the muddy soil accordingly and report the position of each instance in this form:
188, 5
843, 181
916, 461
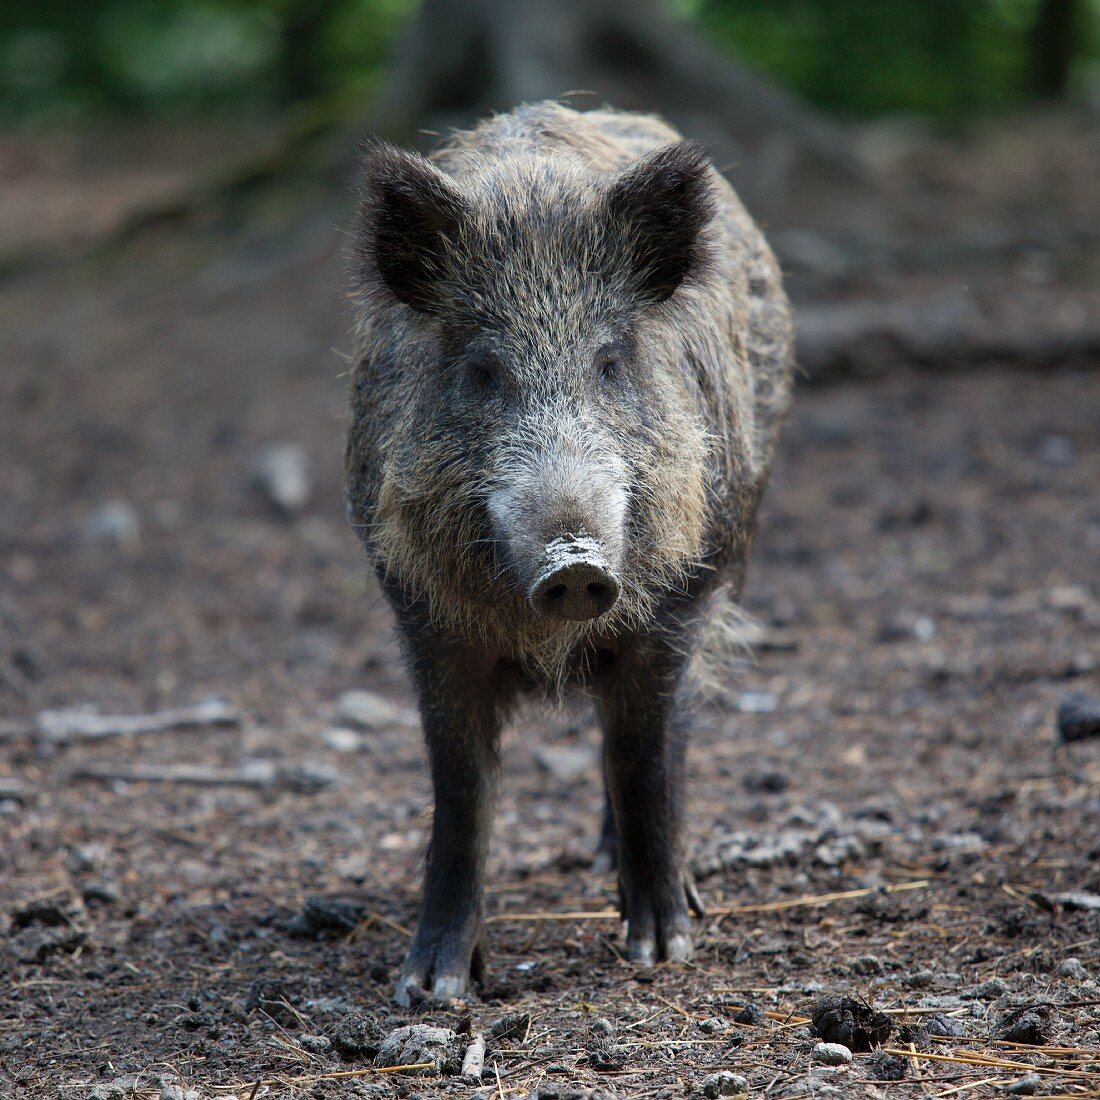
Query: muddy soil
926, 574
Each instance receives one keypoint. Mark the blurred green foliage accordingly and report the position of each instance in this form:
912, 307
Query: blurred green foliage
65, 63
945, 58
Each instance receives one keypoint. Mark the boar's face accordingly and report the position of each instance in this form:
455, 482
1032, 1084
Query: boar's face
542, 427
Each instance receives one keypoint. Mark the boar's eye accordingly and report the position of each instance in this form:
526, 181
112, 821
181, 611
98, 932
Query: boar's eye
607, 366
483, 372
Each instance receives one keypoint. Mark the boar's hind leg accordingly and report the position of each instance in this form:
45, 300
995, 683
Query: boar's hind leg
645, 739
461, 727
607, 847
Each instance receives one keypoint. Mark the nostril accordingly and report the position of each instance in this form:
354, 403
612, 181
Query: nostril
580, 590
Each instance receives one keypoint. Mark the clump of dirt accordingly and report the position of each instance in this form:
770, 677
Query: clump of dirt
437, 1050
751, 1014
1079, 716
889, 1067
358, 1036
844, 1020
320, 915
514, 1025
1028, 1023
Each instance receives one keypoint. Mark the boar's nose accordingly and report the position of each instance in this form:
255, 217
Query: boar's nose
577, 590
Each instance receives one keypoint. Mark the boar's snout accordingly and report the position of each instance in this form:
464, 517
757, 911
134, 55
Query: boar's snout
575, 583
558, 514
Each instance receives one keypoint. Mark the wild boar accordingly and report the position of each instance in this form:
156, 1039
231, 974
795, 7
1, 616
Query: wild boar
573, 355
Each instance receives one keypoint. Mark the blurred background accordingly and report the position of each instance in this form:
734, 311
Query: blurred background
876, 141
71, 64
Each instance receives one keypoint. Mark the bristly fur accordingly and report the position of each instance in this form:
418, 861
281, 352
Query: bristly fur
532, 238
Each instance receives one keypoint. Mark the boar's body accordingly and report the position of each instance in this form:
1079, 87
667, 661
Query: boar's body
573, 358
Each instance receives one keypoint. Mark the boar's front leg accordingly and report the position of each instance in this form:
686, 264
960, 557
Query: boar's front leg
645, 739
461, 727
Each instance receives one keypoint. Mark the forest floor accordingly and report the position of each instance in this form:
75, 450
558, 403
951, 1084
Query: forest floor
879, 806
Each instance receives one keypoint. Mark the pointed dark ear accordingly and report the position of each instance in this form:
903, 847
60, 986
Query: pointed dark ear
657, 210
410, 213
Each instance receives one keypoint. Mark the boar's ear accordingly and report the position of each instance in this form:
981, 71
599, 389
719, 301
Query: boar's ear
409, 214
658, 208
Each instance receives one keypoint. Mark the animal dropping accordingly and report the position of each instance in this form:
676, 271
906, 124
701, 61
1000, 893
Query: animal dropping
573, 354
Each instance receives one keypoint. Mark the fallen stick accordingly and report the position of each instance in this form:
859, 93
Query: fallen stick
975, 1058
83, 724
312, 1078
474, 1061
262, 774
963, 1088
254, 773
731, 910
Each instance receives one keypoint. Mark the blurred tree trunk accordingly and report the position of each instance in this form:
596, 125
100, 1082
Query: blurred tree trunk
1052, 47
463, 58
298, 68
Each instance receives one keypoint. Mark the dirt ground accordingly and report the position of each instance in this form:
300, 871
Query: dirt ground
927, 576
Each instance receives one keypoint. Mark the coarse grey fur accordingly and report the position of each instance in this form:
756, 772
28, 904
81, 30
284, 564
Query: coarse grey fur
571, 340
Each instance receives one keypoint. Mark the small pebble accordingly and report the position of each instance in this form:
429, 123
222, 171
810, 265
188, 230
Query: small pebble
765, 781
341, 739
1072, 968
114, 522
751, 1014
565, 763
839, 850
756, 702
514, 1025
315, 1044
1079, 717
832, 1054
81, 859
725, 1083
281, 474
1028, 1085
98, 891
1056, 450
306, 777
868, 965
987, 991
364, 710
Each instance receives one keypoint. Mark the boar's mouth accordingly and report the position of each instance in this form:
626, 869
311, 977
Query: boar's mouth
575, 581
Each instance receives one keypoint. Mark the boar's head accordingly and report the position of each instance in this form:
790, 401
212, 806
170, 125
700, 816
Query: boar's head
532, 449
